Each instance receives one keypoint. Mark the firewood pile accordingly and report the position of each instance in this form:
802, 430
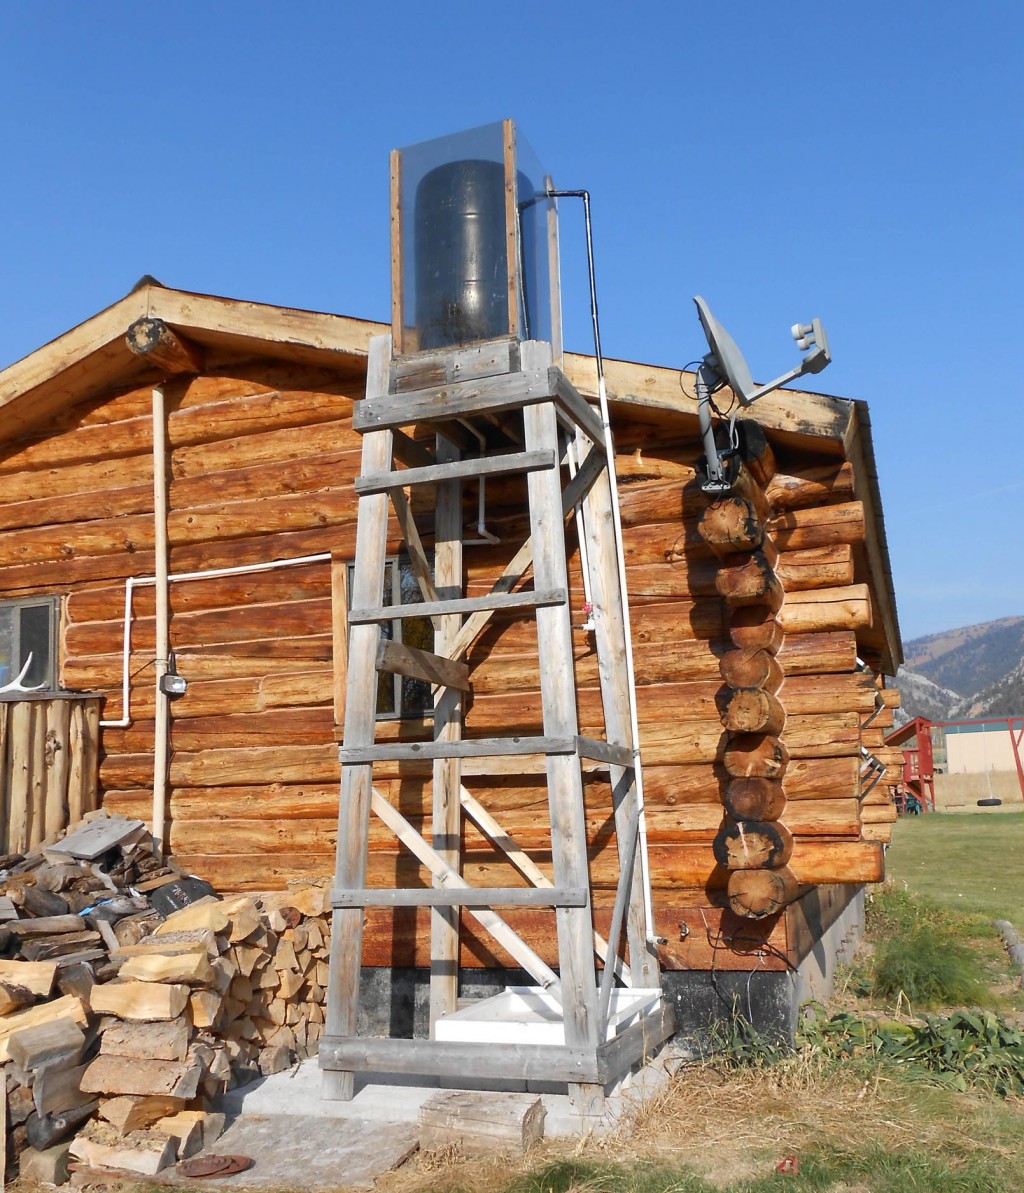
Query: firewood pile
131, 997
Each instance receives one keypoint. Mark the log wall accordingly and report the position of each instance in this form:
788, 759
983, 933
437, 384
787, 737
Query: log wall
49, 747
261, 462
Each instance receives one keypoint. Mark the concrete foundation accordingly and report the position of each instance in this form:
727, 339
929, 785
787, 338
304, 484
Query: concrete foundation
829, 920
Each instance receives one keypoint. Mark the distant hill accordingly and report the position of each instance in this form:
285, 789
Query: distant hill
973, 671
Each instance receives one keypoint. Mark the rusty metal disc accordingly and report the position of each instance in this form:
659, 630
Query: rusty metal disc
206, 1166
237, 1164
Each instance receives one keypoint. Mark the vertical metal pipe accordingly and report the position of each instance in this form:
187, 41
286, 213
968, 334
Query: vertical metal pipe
161, 734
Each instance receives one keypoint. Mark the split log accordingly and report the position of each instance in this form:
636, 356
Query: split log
751, 669
191, 968
58, 1040
755, 894
818, 484
755, 627
731, 525
141, 1001
755, 755
163, 1040
143, 1153
133, 1075
751, 710
753, 845
752, 582
35, 976
56, 1089
128, 1113
819, 526
48, 1012
754, 799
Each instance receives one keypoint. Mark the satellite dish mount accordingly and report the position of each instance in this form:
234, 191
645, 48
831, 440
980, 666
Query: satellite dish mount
724, 365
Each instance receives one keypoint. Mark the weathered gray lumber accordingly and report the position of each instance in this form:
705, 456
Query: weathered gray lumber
511, 896
477, 466
492, 602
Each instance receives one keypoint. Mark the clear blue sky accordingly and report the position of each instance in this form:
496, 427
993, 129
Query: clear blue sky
862, 162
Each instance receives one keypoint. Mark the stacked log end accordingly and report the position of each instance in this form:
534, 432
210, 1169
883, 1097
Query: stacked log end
121, 1024
753, 844
790, 550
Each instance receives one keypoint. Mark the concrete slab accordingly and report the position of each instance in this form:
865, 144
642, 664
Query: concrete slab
293, 1151
394, 1098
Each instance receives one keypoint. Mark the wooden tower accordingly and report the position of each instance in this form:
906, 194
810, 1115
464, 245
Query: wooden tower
434, 420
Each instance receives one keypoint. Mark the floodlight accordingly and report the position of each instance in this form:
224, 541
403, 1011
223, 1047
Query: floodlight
724, 365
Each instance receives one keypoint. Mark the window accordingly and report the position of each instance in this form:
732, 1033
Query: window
398, 695
29, 628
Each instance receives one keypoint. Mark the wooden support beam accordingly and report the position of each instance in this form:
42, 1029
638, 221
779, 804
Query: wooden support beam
159, 345
398, 659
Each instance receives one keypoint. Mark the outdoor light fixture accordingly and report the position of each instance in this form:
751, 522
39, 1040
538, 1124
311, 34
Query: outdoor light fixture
724, 365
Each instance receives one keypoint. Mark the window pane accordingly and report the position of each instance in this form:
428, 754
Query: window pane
35, 639
8, 640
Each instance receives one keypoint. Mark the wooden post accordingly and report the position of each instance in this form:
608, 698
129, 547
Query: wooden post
19, 728
5, 770
58, 741
360, 719
447, 809
565, 784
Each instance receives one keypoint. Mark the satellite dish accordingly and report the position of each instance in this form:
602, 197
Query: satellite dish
724, 365
728, 360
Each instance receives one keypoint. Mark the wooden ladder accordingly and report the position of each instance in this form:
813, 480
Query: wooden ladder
511, 385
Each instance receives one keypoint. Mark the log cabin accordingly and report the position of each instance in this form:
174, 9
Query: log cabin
177, 531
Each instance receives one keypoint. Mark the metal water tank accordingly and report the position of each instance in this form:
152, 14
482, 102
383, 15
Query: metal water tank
461, 254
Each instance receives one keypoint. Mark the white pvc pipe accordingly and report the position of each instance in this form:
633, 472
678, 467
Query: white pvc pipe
134, 582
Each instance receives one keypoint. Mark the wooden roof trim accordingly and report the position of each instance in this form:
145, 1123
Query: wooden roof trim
789, 411
860, 452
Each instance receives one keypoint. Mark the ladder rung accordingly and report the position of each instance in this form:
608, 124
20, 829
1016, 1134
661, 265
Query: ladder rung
493, 600
457, 470
462, 897
604, 751
482, 747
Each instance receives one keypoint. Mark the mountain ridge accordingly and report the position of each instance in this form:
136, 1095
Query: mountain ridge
965, 672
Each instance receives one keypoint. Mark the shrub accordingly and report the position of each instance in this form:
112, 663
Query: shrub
927, 966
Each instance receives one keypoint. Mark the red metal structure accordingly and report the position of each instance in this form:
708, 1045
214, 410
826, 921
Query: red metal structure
916, 789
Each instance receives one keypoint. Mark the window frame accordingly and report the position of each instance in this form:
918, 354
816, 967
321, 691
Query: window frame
52, 603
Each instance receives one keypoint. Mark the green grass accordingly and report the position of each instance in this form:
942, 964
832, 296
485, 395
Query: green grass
973, 864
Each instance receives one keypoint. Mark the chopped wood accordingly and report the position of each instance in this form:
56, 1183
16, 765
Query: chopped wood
132, 1075
57, 1088
34, 976
142, 1001
193, 969
164, 1040
140, 1152
48, 1012
50, 925
127, 1113
13, 997
204, 913
56, 1040
47, 1167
